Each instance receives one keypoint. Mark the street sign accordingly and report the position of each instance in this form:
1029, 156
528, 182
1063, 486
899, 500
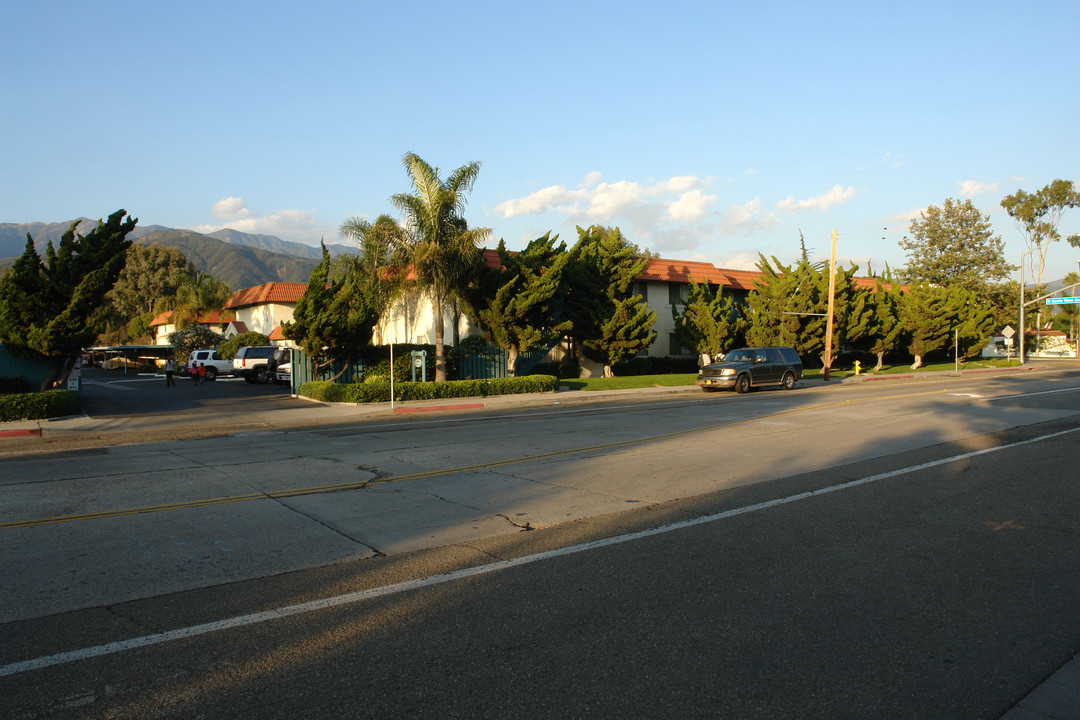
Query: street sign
1063, 301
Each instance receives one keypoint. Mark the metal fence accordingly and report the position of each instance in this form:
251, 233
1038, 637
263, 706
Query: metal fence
302, 372
35, 371
488, 363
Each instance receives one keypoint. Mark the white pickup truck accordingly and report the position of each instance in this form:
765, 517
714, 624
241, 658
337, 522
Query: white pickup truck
215, 364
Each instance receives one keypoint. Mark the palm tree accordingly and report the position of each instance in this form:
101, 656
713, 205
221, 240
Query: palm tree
196, 294
371, 264
438, 245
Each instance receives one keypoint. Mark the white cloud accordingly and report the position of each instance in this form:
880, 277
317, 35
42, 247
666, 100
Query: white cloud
971, 188
741, 216
603, 202
904, 218
592, 178
676, 185
556, 197
230, 208
691, 206
836, 196
748, 217
742, 260
296, 225
611, 199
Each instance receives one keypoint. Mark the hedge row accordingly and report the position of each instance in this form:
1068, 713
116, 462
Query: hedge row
39, 406
379, 390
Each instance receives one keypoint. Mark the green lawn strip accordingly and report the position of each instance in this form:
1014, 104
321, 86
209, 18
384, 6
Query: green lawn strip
631, 382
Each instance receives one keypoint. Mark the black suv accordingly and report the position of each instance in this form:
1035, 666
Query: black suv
748, 368
250, 362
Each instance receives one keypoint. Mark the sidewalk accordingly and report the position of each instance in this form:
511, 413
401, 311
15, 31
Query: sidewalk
314, 412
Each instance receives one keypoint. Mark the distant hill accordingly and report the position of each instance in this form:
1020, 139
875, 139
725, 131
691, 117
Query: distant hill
240, 259
276, 244
238, 265
13, 235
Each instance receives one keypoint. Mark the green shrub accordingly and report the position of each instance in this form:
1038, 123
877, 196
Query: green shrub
228, 348
39, 406
563, 371
378, 389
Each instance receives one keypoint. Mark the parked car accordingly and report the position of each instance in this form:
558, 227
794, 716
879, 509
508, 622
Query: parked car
280, 365
747, 368
251, 362
215, 364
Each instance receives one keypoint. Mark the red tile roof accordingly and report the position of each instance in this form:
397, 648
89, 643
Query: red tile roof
682, 271
740, 279
276, 334
210, 318
274, 292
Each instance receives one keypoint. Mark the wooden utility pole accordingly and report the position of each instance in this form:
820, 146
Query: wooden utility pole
829, 319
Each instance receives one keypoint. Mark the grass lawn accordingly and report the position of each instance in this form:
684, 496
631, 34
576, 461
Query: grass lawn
933, 367
630, 382
646, 381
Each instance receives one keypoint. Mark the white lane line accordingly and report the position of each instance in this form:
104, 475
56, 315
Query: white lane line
386, 590
1032, 394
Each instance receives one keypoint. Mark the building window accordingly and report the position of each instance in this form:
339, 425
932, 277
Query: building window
677, 293
674, 348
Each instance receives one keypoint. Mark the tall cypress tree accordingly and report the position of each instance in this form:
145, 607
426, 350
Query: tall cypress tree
928, 318
519, 304
610, 322
788, 305
709, 321
884, 329
333, 320
53, 309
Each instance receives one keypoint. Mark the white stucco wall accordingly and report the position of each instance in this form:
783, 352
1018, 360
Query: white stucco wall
265, 318
412, 321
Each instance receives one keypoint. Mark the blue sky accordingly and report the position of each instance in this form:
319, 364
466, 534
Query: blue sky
710, 131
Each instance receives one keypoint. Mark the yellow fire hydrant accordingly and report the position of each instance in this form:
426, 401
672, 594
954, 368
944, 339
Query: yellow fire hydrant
858, 366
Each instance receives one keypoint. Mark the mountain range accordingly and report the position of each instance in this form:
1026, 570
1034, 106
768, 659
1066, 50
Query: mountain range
240, 259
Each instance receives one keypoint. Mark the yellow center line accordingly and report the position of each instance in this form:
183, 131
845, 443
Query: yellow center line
319, 489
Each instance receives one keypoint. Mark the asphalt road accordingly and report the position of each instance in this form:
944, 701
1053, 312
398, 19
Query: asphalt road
906, 550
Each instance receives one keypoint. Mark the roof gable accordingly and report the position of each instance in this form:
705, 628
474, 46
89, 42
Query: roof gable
273, 292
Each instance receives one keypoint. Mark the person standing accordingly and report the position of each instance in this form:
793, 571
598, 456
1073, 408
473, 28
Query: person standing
194, 373
202, 373
169, 382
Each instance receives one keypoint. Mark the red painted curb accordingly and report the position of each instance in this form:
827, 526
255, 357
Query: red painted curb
20, 433
437, 408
